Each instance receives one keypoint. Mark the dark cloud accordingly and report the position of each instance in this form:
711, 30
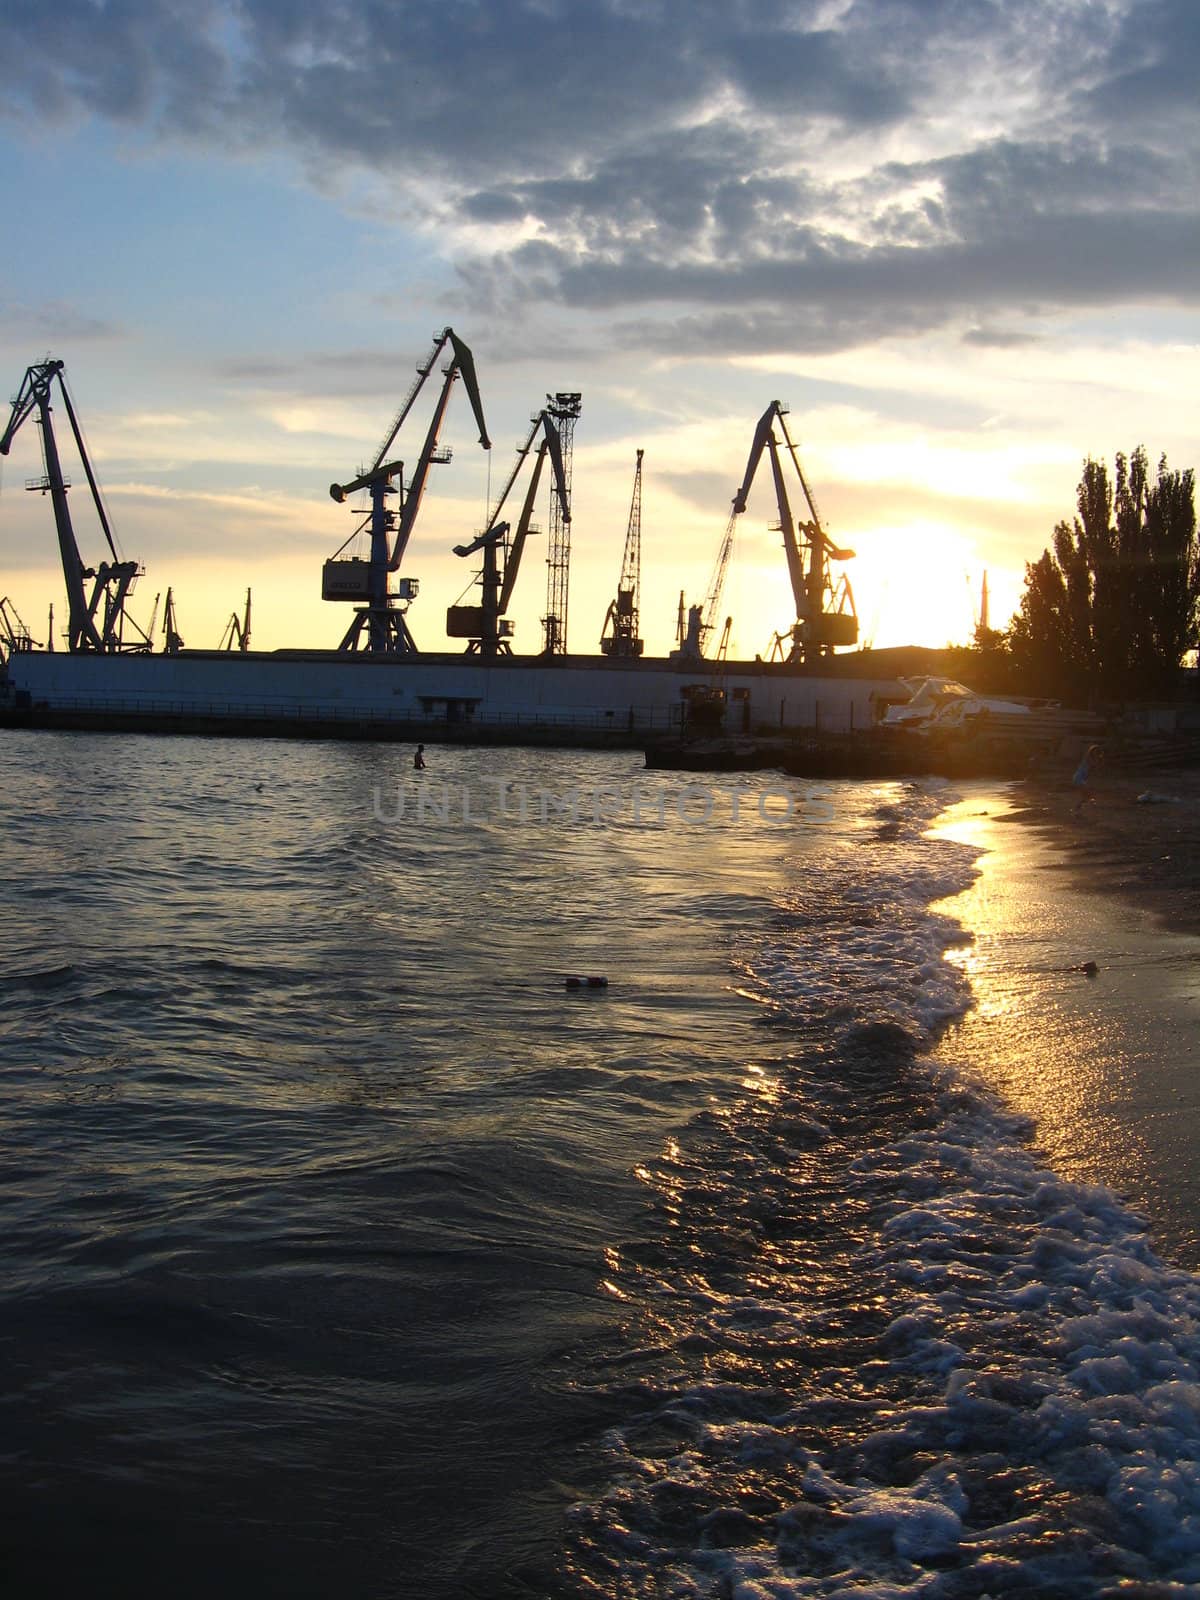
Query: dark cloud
1005, 229
798, 329
54, 319
263, 374
510, 86
990, 189
274, 373
132, 61
707, 175
999, 338
340, 374
708, 492
787, 70
684, 192
1049, 261
1151, 71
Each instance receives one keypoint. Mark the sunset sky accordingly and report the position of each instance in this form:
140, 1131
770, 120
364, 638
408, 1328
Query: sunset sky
957, 237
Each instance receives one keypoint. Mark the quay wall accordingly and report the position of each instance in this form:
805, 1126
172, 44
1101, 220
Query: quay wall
612, 699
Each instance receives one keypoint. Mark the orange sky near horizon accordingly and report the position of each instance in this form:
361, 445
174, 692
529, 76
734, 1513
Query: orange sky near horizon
959, 241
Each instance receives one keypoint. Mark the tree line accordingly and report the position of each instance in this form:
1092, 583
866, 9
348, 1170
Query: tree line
1109, 612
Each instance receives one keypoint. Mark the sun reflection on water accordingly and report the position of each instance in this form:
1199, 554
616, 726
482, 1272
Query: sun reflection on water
1082, 1016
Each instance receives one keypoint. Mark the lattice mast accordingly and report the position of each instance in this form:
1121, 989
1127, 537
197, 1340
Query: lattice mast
564, 412
619, 636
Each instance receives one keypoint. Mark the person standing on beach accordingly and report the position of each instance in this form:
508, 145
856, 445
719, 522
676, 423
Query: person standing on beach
1081, 777
419, 759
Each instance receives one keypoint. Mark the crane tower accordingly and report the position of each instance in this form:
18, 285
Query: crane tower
486, 626
380, 624
825, 616
563, 410
95, 622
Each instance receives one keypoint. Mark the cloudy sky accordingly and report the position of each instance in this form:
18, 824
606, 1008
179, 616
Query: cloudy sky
957, 237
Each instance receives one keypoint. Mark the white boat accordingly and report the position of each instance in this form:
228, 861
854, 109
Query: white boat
937, 705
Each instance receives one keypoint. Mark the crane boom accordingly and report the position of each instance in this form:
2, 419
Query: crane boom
87, 466
631, 561
787, 526
551, 446
512, 562
463, 362
619, 636
716, 584
410, 399
764, 439
553, 440
466, 361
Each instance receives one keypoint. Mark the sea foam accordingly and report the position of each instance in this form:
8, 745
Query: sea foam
886, 1351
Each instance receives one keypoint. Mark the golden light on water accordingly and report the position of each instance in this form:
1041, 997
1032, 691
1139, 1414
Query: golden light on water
767, 1090
1085, 1011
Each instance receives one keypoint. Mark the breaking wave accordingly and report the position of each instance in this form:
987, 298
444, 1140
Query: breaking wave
873, 1347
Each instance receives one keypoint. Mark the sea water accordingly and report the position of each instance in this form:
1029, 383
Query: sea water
346, 1250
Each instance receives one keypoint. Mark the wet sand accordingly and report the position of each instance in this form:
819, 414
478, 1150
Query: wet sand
1084, 956
1146, 851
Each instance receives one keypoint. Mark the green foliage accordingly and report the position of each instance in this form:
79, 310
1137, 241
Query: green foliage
1110, 612
985, 666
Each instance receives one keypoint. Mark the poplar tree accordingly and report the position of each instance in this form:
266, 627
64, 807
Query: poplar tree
1111, 612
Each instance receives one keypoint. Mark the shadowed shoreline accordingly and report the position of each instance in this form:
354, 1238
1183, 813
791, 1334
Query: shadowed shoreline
1147, 851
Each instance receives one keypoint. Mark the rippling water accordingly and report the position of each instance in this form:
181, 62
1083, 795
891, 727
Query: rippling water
348, 1252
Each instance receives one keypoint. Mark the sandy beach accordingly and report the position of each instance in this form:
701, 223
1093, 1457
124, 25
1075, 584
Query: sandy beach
1084, 947
1137, 835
